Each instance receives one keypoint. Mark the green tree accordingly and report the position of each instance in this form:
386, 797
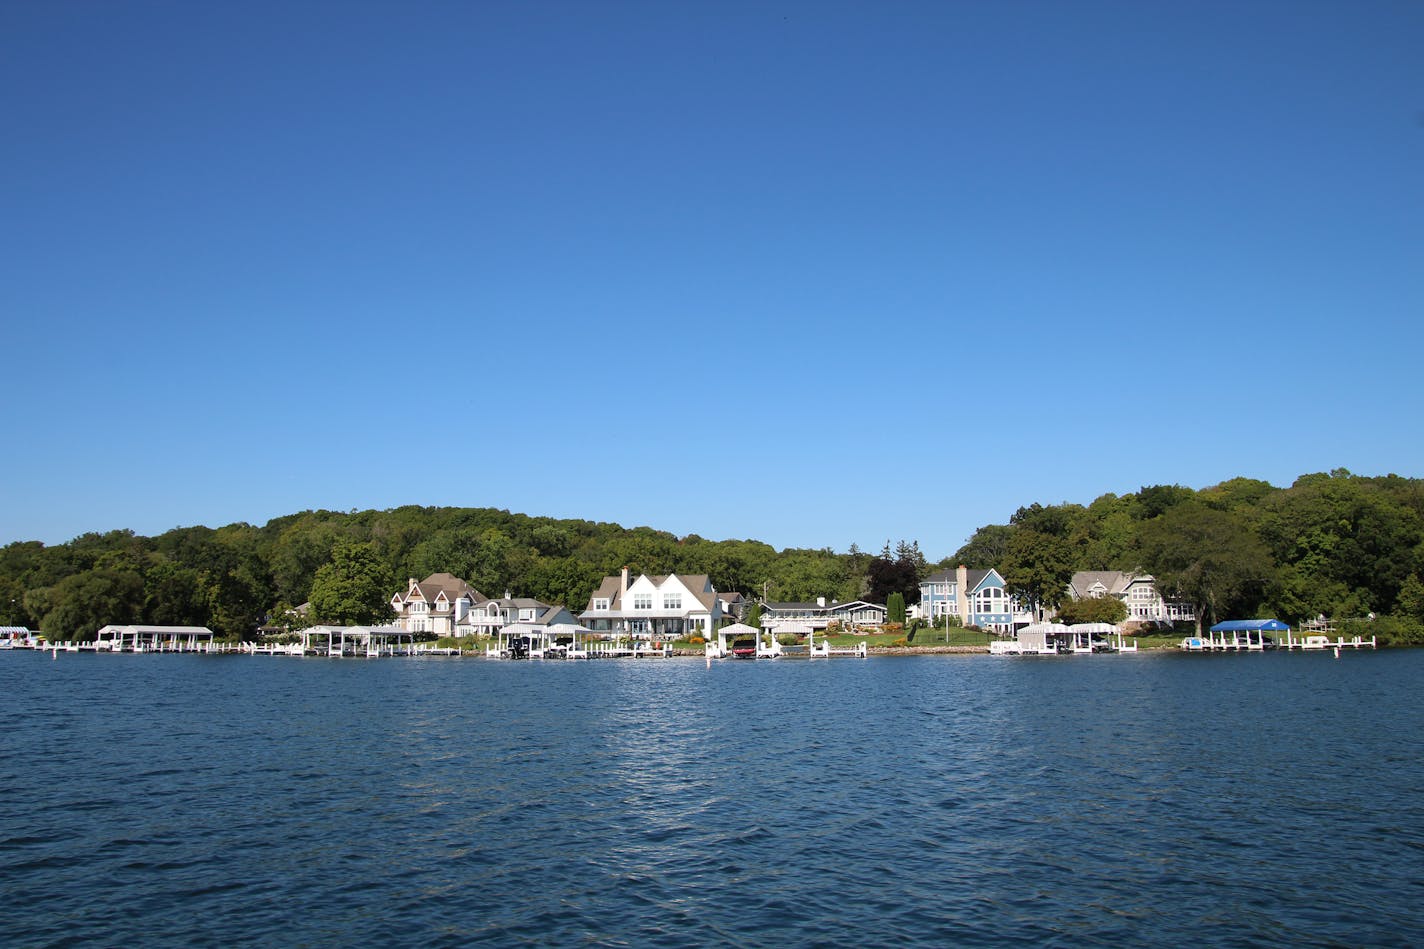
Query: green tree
753, 617
1037, 568
985, 549
1158, 499
895, 608
355, 588
79, 605
1105, 609
1207, 558
1345, 533
1410, 603
174, 596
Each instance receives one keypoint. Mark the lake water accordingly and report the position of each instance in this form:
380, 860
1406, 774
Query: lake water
950, 800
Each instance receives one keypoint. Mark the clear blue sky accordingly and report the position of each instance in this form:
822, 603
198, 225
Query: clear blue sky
812, 273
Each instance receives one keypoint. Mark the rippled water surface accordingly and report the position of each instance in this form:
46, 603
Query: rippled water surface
220, 801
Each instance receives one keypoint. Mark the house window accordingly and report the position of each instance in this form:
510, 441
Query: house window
419, 606
989, 601
642, 601
672, 601
526, 616
600, 604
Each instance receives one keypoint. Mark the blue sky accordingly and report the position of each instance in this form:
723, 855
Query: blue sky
811, 273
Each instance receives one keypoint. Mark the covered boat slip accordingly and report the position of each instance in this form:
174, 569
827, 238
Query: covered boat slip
1250, 635
154, 639
531, 641
1237, 635
740, 641
368, 641
1053, 639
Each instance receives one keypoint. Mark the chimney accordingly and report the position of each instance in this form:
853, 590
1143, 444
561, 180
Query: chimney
961, 591
820, 601
625, 579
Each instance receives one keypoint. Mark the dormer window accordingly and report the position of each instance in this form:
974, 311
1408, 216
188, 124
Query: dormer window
600, 603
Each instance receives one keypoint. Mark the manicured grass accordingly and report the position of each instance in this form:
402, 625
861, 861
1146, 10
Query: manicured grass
1163, 641
958, 636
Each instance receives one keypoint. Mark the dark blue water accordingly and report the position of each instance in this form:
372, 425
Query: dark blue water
220, 801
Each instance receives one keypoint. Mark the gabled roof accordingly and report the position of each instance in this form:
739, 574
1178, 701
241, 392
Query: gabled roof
611, 589
1082, 582
1115, 582
856, 605
975, 579
698, 584
821, 607
436, 584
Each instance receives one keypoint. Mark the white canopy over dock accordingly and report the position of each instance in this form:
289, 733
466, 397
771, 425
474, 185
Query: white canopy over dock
154, 638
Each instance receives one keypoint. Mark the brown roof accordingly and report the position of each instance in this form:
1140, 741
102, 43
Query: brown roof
452, 586
611, 589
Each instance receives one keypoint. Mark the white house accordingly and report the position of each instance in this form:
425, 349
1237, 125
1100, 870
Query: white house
435, 604
1137, 591
491, 616
654, 606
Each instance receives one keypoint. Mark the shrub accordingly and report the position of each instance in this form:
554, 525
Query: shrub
696, 640
1387, 630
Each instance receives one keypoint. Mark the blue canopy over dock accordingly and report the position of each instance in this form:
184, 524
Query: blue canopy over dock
1250, 626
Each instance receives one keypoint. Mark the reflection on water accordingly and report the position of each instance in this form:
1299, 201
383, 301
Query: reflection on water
169, 800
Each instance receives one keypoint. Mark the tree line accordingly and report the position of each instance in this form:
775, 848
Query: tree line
1333, 544
347, 566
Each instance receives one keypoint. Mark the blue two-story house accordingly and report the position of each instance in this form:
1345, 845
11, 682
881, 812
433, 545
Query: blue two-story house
977, 597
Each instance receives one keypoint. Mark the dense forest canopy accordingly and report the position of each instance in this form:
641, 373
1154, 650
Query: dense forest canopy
1334, 544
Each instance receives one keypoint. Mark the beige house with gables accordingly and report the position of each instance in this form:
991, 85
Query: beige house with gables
435, 605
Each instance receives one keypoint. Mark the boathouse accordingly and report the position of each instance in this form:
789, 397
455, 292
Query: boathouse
158, 638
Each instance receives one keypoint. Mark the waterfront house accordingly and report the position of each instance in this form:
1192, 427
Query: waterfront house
491, 616
434, 605
733, 605
977, 597
1137, 591
802, 618
648, 607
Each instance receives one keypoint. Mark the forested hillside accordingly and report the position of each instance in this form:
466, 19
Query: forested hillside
231, 578
1334, 544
